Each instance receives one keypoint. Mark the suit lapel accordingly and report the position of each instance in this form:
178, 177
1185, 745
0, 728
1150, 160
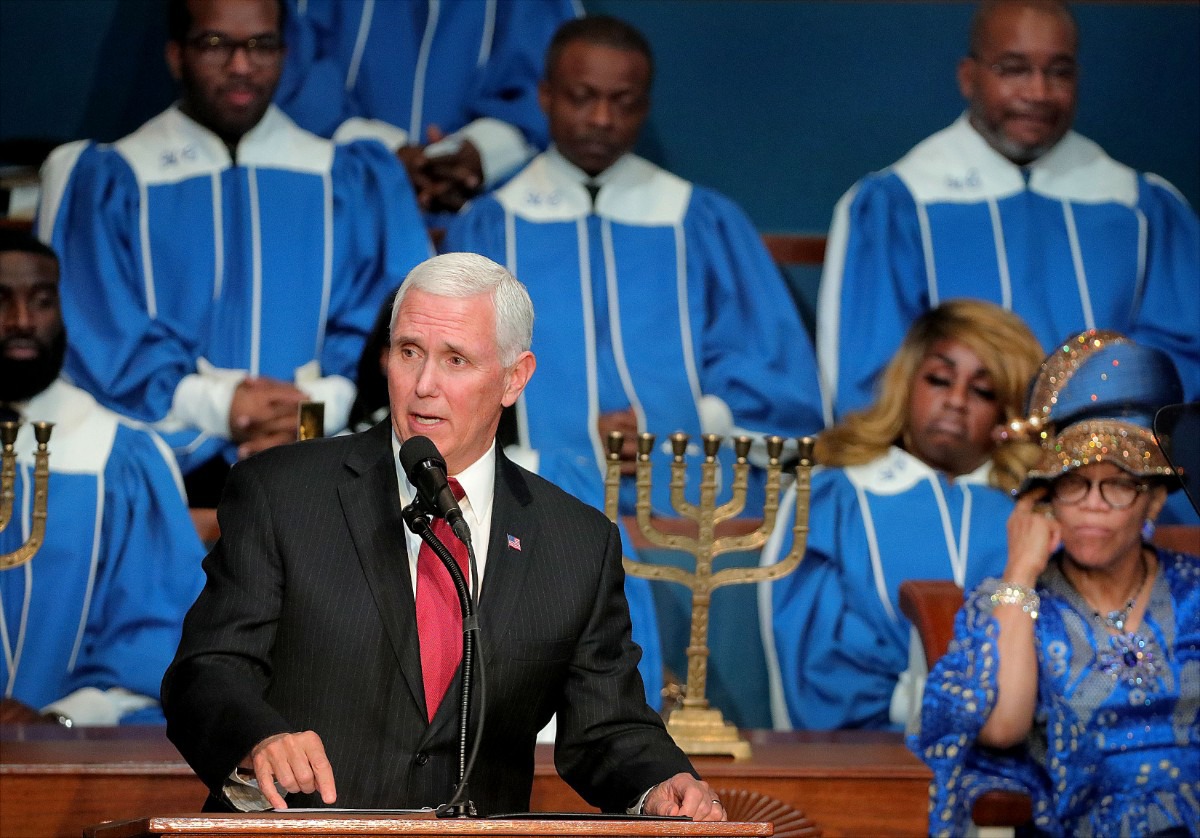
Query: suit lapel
371, 505
507, 564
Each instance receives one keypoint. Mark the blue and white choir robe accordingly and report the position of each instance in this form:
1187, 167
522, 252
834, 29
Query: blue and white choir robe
662, 299
395, 67
1073, 241
837, 643
184, 271
92, 620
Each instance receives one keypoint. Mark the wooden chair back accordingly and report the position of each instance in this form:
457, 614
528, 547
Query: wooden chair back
930, 605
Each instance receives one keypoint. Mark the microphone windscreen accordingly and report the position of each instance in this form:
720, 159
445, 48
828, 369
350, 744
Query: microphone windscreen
419, 449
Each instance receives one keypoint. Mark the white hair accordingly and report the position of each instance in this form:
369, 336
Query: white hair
468, 275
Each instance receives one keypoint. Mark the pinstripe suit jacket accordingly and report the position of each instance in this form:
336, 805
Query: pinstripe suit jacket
307, 622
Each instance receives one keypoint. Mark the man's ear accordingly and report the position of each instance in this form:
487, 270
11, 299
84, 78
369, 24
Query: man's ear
966, 77
174, 56
518, 377
544, 96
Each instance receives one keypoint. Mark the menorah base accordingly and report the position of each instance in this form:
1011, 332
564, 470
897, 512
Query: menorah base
704, 732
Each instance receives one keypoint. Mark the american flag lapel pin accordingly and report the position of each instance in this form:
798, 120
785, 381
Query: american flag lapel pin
514, 543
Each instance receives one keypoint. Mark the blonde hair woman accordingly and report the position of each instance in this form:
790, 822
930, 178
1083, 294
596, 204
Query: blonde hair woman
1003, 344
914, 487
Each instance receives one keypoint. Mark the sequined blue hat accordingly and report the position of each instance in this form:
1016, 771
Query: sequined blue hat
1094, 400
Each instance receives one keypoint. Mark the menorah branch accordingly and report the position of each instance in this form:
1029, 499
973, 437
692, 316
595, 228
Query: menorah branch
41, 490
8, 471
658, 572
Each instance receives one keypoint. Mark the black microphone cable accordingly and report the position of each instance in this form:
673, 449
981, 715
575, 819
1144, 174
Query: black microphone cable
416, 516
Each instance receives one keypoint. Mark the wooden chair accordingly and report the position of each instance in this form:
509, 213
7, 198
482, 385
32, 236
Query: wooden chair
1181, 537
931, 606
799, 260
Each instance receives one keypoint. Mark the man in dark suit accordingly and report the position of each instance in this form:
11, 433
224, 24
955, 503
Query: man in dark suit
300, 661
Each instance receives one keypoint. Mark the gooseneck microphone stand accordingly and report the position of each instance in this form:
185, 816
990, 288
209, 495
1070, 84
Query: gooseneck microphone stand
417, 519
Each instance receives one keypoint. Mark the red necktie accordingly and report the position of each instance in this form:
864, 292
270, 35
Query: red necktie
439, 617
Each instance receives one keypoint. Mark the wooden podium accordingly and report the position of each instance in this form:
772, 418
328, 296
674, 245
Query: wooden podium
55, 781
349, 825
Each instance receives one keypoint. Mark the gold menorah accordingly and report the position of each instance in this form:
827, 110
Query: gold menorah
696, 727
8, 489
310, 423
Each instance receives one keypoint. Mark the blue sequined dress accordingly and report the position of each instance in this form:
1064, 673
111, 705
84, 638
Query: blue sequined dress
1115, 748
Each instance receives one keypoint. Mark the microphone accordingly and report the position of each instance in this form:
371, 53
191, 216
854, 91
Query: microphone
426, 470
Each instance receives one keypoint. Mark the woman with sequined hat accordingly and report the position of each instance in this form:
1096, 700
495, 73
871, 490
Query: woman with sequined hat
1076, 676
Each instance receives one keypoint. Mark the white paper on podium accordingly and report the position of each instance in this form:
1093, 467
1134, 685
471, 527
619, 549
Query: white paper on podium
324, 811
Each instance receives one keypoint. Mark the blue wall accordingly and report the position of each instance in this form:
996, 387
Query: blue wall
781, 104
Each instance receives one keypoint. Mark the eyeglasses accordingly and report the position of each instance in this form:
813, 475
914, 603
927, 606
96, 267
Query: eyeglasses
218, 50
1017, 71
1117, 492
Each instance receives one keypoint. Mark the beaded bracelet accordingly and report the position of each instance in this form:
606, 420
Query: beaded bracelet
1007, 593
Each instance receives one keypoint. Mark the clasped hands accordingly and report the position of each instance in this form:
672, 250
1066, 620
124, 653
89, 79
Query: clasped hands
442, 182
626, 422
264, 413
297, 763
16, 712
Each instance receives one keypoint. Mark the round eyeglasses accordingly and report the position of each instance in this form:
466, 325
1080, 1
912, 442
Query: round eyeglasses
218, 50
1060, 73
1117, 492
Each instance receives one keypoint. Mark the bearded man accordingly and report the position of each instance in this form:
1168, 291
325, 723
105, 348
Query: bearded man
91, 620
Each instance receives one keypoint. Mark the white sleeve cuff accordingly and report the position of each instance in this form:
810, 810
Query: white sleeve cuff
636, 809
502, 148
202, 400
336, 392
357, 128
99, 708
905, 706
524, 456
715, 416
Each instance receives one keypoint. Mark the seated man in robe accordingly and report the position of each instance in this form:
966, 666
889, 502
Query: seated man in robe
659, 309
219, 264
91, 621
1009, 205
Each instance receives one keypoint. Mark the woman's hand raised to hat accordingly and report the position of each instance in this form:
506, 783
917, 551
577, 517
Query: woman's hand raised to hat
1033, 536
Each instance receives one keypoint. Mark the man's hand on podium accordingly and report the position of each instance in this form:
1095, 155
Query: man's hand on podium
297, 762
683, 794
